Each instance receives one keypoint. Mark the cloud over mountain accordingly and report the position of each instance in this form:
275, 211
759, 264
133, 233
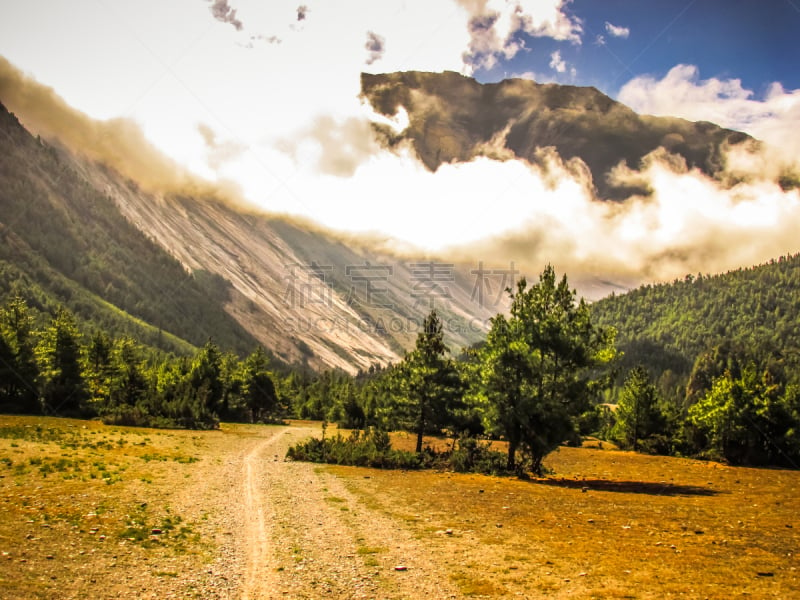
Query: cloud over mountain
775, 118
554, 152
515, 169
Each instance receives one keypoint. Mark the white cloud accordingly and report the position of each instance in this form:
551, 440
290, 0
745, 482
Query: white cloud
494, 26
557, 63
600, 40
218, 152
689, 224
774, 119
617, 31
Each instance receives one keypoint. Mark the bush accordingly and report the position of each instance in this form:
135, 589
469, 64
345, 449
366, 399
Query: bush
138, 416
372, 448
472, 456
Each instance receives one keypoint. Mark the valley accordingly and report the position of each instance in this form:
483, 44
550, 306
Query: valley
221, 514
566, 330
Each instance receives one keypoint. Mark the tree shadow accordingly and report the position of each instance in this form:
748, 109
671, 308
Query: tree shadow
628, 487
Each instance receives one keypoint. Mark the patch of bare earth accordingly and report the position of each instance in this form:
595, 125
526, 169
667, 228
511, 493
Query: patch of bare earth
90, 511
323, 541
605, 524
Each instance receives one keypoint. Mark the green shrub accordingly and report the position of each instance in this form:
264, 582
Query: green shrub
372, 448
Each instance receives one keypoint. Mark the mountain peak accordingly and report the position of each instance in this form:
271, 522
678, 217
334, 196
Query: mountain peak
454, 118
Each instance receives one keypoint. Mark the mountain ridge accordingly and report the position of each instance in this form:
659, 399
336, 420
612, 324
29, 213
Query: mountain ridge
312, 296
266, 280
449, 122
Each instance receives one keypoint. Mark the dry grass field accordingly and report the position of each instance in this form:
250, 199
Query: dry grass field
90, 511
604, 524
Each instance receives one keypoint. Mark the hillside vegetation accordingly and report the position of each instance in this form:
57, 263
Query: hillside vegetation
65, 243
667, 327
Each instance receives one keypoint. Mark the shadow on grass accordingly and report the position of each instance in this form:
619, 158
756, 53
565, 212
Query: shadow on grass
629, 487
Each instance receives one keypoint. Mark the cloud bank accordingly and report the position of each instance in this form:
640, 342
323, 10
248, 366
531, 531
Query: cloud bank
303, 144
119, 143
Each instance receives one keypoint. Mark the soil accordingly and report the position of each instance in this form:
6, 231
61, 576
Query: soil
90, 511
299, 533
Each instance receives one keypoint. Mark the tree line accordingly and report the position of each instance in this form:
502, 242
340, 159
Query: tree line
58, 370
547, 373
553, 371
710, 365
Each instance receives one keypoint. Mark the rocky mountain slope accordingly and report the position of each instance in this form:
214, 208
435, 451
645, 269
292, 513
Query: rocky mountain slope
199, 267
176, 268
453, 118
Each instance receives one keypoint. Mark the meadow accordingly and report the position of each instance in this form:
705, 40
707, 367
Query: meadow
94, 511
603, 524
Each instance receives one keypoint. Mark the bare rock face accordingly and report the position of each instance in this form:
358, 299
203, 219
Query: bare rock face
307, 295
453, 118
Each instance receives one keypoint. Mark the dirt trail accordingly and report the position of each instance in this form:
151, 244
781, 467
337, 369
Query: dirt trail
306, 536
259, 578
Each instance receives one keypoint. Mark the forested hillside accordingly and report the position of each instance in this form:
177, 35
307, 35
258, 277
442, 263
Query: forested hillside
65, 243
667, 327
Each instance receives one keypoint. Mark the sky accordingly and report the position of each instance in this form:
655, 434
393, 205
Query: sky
262, 98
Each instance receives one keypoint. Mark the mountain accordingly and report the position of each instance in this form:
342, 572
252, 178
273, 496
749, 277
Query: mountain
667, 326
176, 269
453, 118
98, 220
63, 242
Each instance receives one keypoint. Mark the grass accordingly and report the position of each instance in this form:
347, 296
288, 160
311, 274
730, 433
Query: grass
91, 496
605, 524
368, 554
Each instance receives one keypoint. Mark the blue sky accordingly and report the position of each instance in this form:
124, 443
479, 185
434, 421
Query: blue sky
756, 42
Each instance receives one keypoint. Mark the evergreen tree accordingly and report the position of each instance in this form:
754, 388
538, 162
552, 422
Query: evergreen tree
639, 416
98, 368
541, 366
504, 381
750, 419
128, 383
18, 369
432, 383
63, 388
205, 377
258, 389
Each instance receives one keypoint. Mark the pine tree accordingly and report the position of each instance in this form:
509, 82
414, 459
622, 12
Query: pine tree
541, 365
432, 383
638, 414
258, 388
62, 385
128, 383
18, 369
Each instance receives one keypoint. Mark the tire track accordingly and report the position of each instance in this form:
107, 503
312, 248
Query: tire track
259, 579
307, 536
